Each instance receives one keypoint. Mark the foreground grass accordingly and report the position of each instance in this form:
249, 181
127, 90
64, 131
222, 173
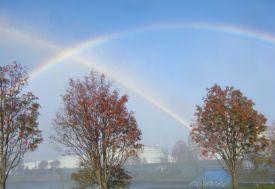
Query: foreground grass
258, 187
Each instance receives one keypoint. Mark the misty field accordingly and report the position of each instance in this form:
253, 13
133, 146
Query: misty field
258, 187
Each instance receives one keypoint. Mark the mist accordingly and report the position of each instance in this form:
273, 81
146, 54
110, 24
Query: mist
163, 55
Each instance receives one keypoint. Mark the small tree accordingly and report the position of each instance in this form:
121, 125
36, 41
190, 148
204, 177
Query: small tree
84, 178
19, 131
96, 125
228, 125
119, 178
181, 152
43, 165
134, 160
55, 164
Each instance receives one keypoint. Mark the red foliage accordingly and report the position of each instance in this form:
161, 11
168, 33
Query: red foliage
19, 131
96, 125
228, 125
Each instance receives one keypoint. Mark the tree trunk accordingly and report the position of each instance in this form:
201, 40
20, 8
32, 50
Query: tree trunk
2, 182
103, 185
2, 175
101, 181
234, 180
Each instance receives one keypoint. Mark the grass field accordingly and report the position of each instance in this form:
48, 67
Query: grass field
258, 187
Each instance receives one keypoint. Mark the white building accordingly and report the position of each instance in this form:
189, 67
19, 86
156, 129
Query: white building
153, 154
69, 161
30, 165
65, 162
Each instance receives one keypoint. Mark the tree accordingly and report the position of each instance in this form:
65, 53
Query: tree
134, 160
19, 131
84, 178
271, 146
229, 126
43, 165
55, 164
119, 178
95, 125
181, 152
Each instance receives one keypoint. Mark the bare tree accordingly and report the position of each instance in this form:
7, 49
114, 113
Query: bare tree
19, 131
96, 125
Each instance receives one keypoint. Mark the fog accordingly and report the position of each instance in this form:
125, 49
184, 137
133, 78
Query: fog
162, 54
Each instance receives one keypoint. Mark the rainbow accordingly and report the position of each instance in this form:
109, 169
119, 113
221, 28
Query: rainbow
66, 53
74, 51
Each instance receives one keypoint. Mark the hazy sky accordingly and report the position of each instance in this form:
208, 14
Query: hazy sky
164, 55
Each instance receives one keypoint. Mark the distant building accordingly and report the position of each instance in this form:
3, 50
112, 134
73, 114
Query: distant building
270, 132
69, 161
30, 165
149, 155
154, 154
64, 162
171, 159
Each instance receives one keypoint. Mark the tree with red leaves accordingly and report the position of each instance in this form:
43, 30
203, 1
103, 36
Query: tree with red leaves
227, 125
19, 131
96, 125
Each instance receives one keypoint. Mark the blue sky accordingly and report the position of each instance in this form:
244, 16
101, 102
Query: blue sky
172, 64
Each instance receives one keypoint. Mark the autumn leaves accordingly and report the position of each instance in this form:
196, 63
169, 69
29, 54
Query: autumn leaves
95, 124
227, 125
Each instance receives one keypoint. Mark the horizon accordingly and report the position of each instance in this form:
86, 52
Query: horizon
163, 55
